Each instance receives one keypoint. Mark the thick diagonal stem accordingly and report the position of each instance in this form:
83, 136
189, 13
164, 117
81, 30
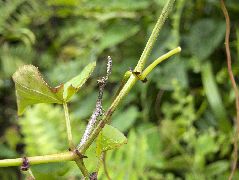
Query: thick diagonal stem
154, 35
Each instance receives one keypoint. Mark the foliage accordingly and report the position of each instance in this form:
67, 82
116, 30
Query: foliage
48, 125
32, 89
109, 138
179, 124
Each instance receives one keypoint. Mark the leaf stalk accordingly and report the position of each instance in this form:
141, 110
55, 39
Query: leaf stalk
68, 125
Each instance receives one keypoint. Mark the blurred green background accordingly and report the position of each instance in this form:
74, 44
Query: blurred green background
179, 124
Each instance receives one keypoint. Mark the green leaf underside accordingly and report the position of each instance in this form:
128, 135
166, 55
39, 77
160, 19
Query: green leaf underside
109, 138
32, 89
73, 85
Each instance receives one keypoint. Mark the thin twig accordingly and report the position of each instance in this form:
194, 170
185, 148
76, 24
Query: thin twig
78, 160
102, 161
98, 108
234, 85
68, 126
105, 166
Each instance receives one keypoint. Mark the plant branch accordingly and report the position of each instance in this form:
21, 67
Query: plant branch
81, 165
132, 79
68, 126
78, 160
66, 156
70, 156
159, 60
97, 112
98, 107
153, 37
234, 85
124, 91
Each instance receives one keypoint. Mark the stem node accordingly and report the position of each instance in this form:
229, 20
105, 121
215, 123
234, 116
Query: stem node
25, 164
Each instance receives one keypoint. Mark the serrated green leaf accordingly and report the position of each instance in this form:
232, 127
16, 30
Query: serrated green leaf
109, 138
32, 89
73, 85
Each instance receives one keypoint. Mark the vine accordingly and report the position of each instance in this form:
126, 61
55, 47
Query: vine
234, 85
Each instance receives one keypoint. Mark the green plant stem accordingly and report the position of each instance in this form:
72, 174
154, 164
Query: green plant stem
105, 166
159, 60
53, 158
68, 126
70, 156
66, 156
124, 91
79, 161
132, 80
81, 165
129, 84
153, 37
30, 174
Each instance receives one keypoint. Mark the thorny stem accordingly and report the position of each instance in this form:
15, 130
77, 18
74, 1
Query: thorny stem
68, 126
234, 85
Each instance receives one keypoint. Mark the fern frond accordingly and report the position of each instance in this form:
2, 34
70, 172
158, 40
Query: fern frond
15, 17
14, 56
43, 129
